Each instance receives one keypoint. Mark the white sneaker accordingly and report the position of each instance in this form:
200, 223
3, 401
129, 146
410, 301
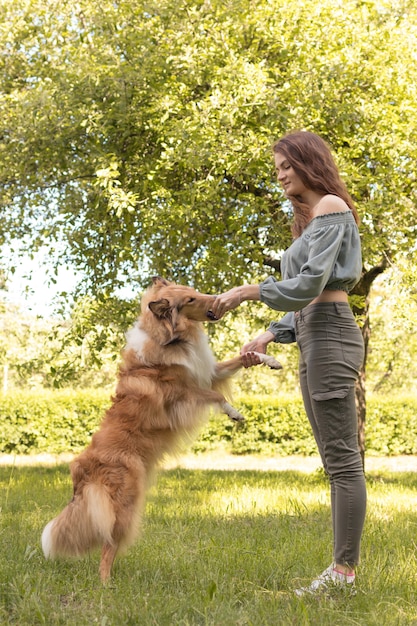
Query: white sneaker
329, 579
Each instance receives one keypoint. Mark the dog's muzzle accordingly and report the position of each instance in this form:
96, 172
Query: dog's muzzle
211, 316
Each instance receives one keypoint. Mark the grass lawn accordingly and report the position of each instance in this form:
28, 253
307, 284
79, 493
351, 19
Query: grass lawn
218, 548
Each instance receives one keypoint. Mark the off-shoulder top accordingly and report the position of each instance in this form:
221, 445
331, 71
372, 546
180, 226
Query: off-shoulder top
327, 255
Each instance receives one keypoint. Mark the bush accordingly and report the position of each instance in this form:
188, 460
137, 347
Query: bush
280, 426
391, 427
50, 421
273, 426
63, 421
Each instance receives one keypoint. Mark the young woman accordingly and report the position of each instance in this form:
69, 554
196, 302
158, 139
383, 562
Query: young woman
318, 270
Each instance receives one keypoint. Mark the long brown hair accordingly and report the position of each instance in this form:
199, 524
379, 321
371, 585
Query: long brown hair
310, 157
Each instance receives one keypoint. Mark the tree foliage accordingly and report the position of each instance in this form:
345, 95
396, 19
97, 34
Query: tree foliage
38, 353
135, 136
392, 365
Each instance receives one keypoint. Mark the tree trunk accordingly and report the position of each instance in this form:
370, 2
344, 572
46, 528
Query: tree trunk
360, 308
361, 383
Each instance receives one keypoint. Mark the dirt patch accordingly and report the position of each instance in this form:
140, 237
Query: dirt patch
220, 460
297, 463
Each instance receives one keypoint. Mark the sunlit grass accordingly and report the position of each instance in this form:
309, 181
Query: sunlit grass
218, 548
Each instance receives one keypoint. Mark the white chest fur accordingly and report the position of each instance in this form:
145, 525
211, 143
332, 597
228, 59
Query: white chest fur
197, 357
200, 361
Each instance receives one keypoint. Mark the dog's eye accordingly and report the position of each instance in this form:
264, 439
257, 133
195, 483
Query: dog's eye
191, 300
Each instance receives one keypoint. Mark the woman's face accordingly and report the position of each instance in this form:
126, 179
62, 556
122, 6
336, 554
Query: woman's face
290, 181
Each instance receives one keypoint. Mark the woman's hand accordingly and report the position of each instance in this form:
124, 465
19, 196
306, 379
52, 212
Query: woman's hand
227, 301
259, 344
249, 359
233, 298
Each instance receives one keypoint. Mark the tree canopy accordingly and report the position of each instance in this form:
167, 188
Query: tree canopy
135, 135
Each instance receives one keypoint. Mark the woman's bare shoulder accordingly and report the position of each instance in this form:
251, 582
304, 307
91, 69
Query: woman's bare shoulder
330, 204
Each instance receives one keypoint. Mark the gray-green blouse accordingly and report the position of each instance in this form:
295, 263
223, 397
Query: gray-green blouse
327, 255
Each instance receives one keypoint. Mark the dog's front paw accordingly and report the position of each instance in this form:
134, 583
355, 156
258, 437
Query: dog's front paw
269, 361
272, 363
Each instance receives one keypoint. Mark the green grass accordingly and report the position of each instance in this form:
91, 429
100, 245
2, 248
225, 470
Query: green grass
218, 548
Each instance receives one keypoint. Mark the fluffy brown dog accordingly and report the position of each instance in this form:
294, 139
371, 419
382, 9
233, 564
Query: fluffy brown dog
168, 379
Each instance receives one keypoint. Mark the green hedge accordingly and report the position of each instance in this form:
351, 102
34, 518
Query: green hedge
50, 421
58, 422
280, 426
273, 426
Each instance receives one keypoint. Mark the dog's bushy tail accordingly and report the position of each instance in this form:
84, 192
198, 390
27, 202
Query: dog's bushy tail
85, 523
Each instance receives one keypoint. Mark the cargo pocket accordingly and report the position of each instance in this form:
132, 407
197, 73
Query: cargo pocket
331, 394
335, 414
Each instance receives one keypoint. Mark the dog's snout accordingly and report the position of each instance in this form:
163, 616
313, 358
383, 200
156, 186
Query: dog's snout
211, 316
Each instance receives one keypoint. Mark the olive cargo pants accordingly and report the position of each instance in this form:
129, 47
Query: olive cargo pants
331, 354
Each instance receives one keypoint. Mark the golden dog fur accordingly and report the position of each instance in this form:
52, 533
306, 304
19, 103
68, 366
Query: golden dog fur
168, 379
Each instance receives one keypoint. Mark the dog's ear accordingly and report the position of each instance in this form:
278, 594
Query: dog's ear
158, 280
168, 315
161, 308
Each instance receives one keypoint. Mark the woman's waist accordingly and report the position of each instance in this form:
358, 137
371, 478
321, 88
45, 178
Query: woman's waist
331, 295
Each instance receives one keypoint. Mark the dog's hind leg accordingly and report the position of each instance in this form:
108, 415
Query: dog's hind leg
108, 554
226, 369
231, 412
